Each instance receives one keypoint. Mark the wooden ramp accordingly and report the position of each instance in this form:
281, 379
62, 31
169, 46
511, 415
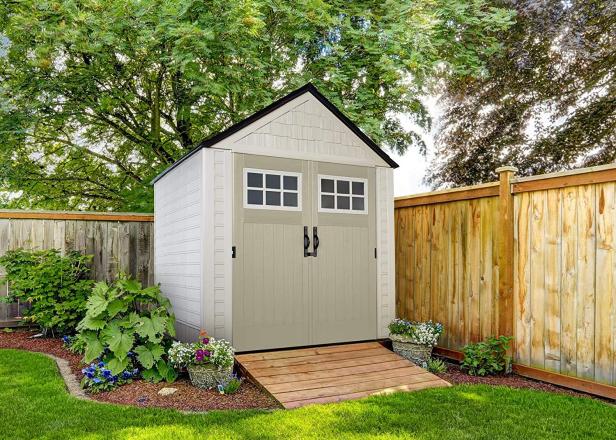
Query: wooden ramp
334, 373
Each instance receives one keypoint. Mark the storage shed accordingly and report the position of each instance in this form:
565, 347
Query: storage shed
278, 232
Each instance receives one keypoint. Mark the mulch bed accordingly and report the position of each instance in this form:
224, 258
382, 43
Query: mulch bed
250, 396
145, 394
455, 376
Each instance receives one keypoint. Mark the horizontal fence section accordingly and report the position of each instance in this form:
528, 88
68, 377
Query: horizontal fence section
122, 242
551, 271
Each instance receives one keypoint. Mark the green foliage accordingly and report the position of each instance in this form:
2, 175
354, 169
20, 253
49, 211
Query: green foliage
546, 102
437, 366
39, 407
124, 320
487, 357
98, 377
97, 97
56, 286
230, 385
425, 333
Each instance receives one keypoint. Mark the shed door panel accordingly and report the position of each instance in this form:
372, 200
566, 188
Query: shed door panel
344, 271
271, 286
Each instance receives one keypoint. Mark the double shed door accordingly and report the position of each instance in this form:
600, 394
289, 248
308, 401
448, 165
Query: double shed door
283, 294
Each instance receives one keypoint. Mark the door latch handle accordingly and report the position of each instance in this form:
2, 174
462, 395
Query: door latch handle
306, 242
315, 238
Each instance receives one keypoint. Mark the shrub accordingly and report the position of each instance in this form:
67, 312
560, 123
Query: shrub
424, 333
487, 357
97, 377
127, 318
437, 366
74, 344
230, 385
56, 286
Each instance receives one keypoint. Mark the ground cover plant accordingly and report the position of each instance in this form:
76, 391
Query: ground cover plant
56, 286
41, 409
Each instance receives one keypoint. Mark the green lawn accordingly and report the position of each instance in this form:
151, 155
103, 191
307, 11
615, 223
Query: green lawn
34, 404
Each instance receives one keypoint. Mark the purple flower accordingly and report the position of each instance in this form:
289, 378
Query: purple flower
206, 353
206, 340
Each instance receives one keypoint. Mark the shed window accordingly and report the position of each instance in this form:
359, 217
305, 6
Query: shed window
269, 189
343, 194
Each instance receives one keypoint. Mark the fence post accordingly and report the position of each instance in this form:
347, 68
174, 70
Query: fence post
505, 251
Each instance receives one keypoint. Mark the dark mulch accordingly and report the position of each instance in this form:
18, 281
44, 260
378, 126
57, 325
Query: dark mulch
456, 376
145, 394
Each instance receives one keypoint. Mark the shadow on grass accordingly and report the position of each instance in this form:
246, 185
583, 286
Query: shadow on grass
34, 404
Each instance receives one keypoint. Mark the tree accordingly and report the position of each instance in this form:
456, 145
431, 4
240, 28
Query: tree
548, 103
97, 97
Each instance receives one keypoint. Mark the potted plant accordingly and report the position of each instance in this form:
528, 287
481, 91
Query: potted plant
414, 340
209, 362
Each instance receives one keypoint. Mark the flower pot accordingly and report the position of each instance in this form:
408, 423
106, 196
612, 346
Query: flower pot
207, 375
419, 354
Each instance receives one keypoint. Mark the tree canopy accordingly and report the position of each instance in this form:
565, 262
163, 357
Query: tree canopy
99, 96
547, 103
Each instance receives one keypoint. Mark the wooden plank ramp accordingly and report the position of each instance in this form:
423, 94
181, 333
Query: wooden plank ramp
334, 373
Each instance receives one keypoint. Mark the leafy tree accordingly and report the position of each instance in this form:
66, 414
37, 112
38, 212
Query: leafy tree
548, 103
97, 97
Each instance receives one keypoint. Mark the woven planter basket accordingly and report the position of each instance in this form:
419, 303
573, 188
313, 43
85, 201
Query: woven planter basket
417, 353
207, 375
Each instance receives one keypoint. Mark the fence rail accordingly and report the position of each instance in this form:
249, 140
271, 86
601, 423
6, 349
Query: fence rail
530, 257
117, 241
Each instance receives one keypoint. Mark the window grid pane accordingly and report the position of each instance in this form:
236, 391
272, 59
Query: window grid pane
267, 189
342, 194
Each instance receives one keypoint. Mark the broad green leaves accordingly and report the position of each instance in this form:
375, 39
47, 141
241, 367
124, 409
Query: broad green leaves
99, 106
125, 318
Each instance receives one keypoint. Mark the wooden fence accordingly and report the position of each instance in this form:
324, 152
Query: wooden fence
530, 257
118, 242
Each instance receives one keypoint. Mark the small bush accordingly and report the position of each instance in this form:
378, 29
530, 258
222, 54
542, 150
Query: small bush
487, 357
56, 286
97, 377
126, 318
74, 344
437, 366
217, 352
230, 386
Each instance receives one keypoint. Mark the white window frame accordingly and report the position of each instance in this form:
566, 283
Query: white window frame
281, 190
350, 194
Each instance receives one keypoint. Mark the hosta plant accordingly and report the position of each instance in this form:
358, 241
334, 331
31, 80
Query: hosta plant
125, 318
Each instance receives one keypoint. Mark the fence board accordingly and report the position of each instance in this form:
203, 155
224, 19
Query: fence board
112, 242
564, 266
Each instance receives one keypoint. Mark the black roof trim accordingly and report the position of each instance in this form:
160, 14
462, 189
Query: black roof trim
270, 108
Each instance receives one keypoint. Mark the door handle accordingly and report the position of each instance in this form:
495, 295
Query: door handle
315, 238
306, 242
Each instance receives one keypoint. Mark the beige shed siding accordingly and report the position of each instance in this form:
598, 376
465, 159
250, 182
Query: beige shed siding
303, 129
217, 207
178, 239
386, 291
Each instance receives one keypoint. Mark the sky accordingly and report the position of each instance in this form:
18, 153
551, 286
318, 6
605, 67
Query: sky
408, 178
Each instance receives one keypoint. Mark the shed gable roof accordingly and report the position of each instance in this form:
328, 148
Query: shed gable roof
254, 118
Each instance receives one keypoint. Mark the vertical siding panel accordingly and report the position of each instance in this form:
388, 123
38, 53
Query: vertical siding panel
605, 212
537, 279
552, 280
485, 280
475, 271
522, 304
586, 283
569, 276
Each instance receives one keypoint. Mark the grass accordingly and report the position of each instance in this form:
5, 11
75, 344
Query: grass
35, 405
